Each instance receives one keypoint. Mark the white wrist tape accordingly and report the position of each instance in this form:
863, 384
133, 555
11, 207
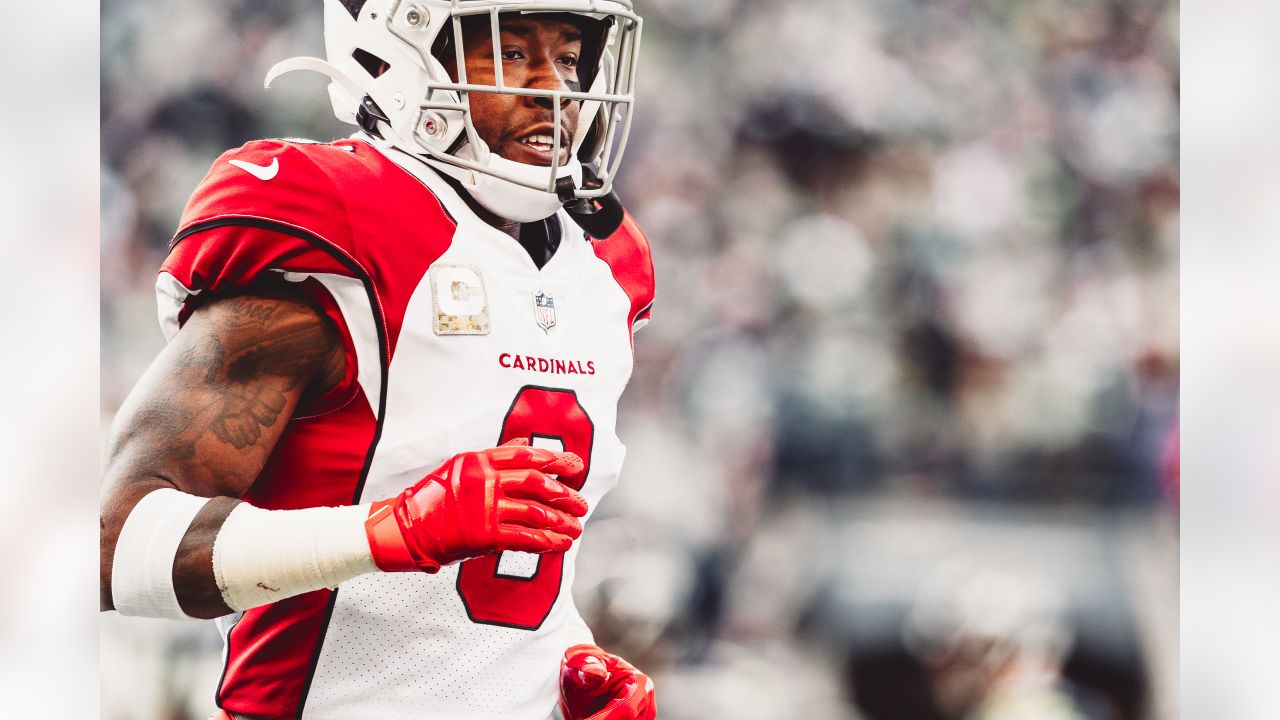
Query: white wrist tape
142, 567
262, 556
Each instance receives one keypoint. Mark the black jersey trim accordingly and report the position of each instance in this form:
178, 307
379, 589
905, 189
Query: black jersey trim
380, 325
226, 662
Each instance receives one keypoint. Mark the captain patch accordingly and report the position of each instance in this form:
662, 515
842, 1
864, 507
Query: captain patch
458, 300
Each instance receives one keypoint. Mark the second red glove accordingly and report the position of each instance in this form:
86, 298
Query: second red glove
595, 685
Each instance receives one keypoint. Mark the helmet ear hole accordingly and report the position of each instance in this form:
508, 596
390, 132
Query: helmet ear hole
371, 63
353, 7
443, 43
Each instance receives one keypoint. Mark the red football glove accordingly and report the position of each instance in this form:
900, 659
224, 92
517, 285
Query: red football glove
479, 503
595, 685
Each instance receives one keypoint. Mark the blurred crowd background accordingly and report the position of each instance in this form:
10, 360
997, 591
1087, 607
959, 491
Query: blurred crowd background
903, 431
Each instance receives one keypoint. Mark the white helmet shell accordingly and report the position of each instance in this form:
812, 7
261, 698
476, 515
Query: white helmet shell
385, 77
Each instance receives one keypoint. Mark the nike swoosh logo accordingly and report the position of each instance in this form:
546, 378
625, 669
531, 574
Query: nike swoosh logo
262, 172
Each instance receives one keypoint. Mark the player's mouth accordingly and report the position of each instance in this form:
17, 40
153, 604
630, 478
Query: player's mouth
537, 145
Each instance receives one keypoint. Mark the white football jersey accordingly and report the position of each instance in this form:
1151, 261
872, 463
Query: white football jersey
456, 341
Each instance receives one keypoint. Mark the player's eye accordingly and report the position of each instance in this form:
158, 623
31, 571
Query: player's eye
512, 54
569, 60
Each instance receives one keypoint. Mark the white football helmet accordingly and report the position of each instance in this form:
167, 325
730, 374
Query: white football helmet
384, 64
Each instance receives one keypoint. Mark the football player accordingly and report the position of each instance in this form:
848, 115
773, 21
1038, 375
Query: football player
388, 399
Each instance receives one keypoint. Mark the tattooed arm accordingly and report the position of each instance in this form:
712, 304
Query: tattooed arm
205, 417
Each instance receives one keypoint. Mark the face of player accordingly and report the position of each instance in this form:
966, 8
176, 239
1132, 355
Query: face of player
536, 53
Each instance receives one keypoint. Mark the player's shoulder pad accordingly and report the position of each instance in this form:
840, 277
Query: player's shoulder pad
294, 183
268, 207
627, 253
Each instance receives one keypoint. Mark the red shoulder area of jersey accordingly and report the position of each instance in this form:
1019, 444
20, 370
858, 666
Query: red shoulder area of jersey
342, 208
299, 183
627, 253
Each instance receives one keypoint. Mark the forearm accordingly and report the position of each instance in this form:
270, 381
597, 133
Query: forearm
263, 556
160, 561
180, 555
232, 556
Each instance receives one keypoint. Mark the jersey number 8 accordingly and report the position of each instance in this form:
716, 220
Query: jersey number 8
495, 590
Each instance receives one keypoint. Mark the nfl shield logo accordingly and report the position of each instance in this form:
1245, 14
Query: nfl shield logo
544, 311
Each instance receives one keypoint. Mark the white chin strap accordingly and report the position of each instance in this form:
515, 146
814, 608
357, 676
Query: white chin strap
506, 199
